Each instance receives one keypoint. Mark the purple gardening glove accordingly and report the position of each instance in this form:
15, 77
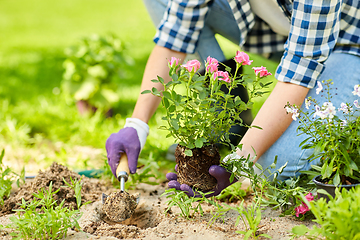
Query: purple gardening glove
130, 140
222, 176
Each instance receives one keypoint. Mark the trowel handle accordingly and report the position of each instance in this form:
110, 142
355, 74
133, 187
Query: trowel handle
123, 167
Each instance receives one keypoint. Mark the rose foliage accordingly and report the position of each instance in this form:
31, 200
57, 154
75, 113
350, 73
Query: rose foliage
198, 112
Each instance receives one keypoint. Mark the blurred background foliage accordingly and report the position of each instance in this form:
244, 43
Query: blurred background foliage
38, 124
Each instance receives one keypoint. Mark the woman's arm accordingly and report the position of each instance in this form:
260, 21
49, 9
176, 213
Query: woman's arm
272, 118
157, 65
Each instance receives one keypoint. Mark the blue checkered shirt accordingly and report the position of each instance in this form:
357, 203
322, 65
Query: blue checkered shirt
318, 27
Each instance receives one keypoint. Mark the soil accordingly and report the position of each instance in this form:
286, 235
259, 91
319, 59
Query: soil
119, 206
91, 189
149, 220
194, 170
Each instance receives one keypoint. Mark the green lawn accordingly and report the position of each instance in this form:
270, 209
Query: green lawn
37, 124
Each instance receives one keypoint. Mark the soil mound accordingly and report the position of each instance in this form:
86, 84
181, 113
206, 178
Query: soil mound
91, 188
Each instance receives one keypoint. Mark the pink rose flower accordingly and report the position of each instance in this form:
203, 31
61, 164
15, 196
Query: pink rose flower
173, 61
309, 197
262, 71
242, 58
224, 76
303, 208
192, 65
211, 64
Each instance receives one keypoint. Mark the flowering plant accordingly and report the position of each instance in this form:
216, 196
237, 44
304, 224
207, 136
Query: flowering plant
197, 111
303, 207
334, 134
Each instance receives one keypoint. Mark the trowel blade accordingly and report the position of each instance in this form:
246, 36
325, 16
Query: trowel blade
103, 198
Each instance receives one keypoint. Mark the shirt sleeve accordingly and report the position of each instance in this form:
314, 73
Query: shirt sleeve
181, 25
313, 35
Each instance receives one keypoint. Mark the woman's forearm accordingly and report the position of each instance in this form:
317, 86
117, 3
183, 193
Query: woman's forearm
157, 65
272, 118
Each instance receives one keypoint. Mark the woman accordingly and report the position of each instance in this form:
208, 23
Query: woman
320, 40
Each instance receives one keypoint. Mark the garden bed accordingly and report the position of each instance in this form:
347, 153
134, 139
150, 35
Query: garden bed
149, 220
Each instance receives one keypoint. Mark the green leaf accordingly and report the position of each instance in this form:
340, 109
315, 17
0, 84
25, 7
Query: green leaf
337, 179
166, 103
161, 79
171, 109
353, 166
259, 166
175, 77
166, 94
175, 124
155, 91
300, 230
188, 152
198, 143
155, 80
145, 92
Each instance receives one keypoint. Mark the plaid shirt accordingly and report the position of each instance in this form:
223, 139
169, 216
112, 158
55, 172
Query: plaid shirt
318, 28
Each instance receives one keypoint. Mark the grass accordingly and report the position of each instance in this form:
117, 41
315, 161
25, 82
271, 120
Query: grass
37, 124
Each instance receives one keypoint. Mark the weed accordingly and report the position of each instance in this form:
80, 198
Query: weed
7, 177
188, 206
43, 217
232, 192
76, 186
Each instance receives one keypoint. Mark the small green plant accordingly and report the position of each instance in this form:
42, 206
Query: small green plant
92, 69
7, 178
338, 218
43, 217
232, 193
76, 185
251, 217
188, 206
269, 191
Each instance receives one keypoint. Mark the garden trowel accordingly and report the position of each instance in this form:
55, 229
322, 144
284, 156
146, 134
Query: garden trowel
119, 206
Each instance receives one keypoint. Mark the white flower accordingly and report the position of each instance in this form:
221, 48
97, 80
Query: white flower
343, 123
307, 103
319, 88
330, 109
326, 111
344, 107
295, 115
295, 112
288, 109
356, 90
320, 114
356, 104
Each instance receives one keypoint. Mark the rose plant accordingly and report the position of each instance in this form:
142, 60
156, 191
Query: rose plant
333, 134
198, 113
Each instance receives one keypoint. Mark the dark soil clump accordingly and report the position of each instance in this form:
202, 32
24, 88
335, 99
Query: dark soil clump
194, 170
120, 206
91, 188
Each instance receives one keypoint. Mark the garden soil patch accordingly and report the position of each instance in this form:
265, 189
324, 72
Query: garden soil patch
148, 220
